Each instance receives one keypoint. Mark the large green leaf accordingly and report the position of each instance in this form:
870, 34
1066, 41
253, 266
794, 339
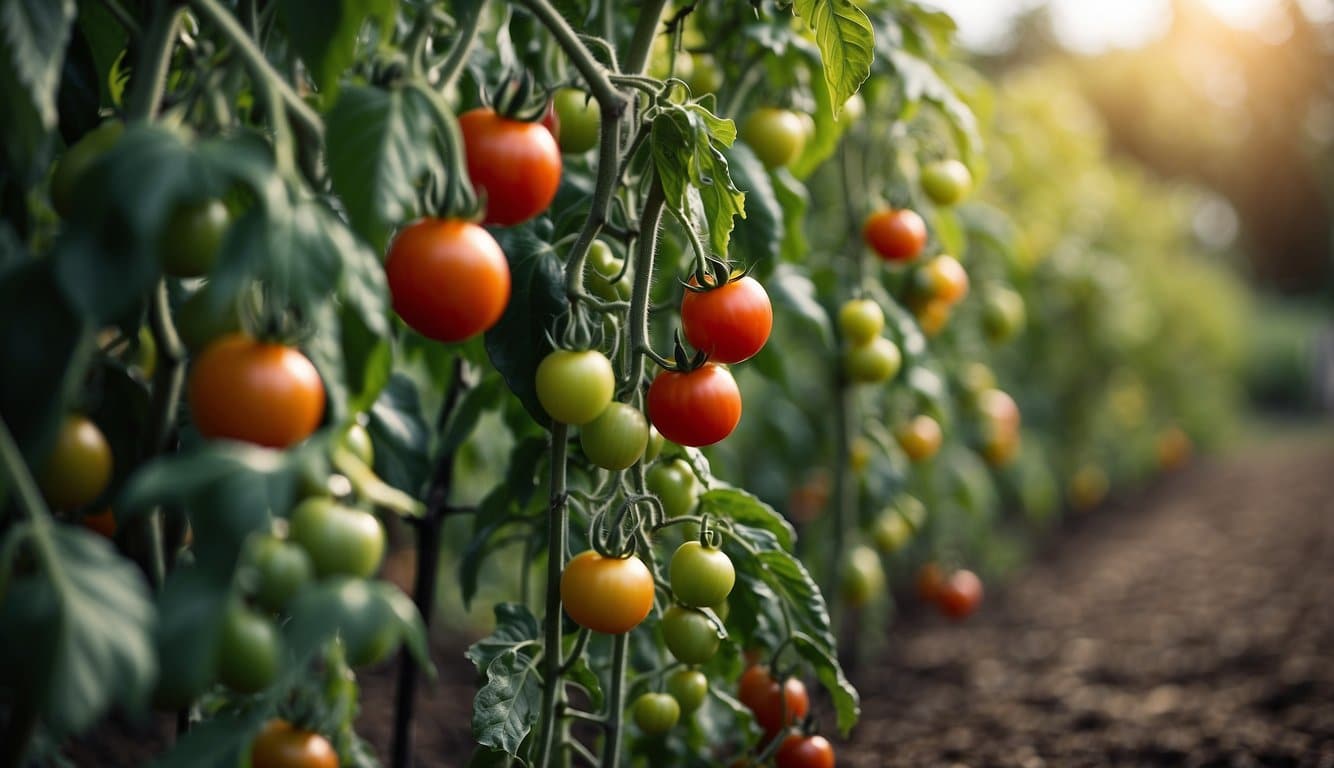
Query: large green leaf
847, 44
687, 142
324, 33
78, 636
380, 146
847, 702
758, 238
506, 707
738, 506
515, 624
35, 33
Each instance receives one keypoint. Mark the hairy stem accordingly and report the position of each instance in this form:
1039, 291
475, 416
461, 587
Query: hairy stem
150, 79
611, 746
558, 520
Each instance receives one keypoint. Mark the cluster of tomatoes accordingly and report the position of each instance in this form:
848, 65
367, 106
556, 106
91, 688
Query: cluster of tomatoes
778, 704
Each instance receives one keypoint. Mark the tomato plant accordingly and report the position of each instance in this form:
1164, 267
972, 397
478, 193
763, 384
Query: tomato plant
448, 278
515, 164
697, 407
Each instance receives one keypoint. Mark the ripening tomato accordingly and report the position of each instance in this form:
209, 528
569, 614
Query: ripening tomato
891, 531
448, 278
1000, 411
575, 387
579, 118
617, 438
798, 751
872, 363
701, 576
1088, 487
675, 485
944, 279
932, 316
946, 182
919, 438
695, 408
689, 634
775, 707
245, 389
895, 235
1173, 447
860, 321
192, 238
960, 594
688, 687
78, 469
611, 595
776, 135
280, 745
514, 164
730, 322
656, 713
930, 578
1000, 449
859, 454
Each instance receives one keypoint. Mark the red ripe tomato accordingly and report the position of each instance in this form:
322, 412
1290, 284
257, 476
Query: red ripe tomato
280, 745
514, 163
960, 595
263, 393
799, 751
729, 322
895, 235
448, 278
695, 408
775, 707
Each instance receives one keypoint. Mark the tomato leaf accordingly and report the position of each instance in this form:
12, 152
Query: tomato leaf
918, 81
792, 289
847, 702
219, 742
758, 237
792, 196
743, 508
192, 605
77, 637
401, 436
847, 44
325, 33
506, 707
380, 148
687, 142
35, 33
515, 624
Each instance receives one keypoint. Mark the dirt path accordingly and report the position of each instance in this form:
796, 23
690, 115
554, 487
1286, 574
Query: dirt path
1192, 626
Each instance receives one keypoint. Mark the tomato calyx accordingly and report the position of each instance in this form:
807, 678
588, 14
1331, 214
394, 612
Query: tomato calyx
719, 274
517, 99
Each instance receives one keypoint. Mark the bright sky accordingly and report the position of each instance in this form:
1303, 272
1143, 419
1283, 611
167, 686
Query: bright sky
1093, 25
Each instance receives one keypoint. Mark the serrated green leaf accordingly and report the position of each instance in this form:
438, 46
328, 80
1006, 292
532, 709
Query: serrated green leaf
847, 702
325, 33
401, 436
380, 148
741, 507
79, 636
515, 624
758, 239
687, 142
506, 707
35, 33
846, 41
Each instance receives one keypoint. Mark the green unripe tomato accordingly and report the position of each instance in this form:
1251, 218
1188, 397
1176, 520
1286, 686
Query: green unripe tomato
601, 273
617, 438
281, 570
72, 165
705, 76
701, 576
199, 322
340, 540
874, 362
193, 237
861, 321
675, 485
863, 576
890, 532
690, 636
655, 443
249, 650
575, 387
946, 182
1003, 313
580, 120
688, 687
776, 135
656, 713
370, 631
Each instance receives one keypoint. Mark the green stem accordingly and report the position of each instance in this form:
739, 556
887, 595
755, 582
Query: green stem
641, 44
150, 79
19, 478
594, 74
611, 747
558, 520
465, 37
218, 15
649, 222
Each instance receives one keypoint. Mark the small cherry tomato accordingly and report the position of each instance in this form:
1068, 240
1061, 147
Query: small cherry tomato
919, 438
255, 391
798, 751
960, 594
863, 576
341, 541
617, 438
895, 235
944, 279
695, 408
514, 164
1003, 313
575, 387
607, 276
690, 636
281, 570
775, 707
730, 322
701, 576
946, 182
655, 443
280, 745
688, 687
611, 595
890, 531
78, 469
776, 135
675, 485
448, 278
193, 237
656, 713
932, 316
872, 363
1173, 447
580, 119
249, 650
860, 321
